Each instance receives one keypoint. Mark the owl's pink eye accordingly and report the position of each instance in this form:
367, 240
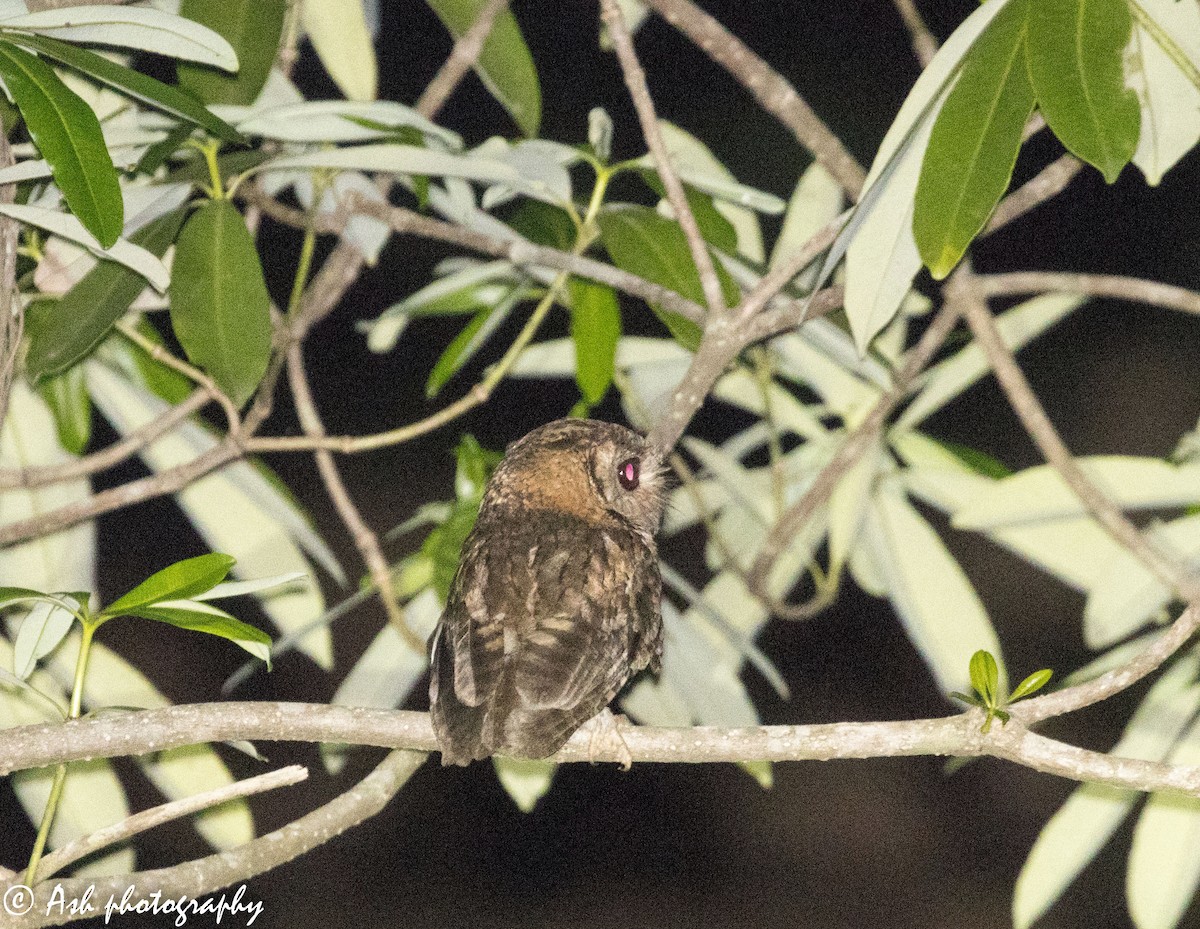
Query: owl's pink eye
629, 472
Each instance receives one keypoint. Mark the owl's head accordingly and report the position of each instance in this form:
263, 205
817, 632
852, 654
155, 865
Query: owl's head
590, 469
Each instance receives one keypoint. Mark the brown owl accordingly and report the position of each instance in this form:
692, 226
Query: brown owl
556, 600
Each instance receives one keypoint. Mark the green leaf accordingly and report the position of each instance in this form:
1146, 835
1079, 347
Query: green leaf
220, 308
182, 579
68, 399
505, 65
455, 354
595, 329
985, 676
160, 152
965, 698
715, 228
643, 243
132, 83
1075, 50
253, 28
444, 544
544, 224
13, 594
203, 617
973, 147
474, 464
1032, 684
65, 331
978, 461
67, 133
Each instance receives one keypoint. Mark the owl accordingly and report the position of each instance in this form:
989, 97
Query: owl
556, 601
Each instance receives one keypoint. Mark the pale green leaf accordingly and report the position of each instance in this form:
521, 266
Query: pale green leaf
123, 252
339, 34
1169, 98
130, 27
1084, 824
937, 603
882, 256
526, 780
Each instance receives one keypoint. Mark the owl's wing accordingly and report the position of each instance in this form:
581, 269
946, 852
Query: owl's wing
543, 627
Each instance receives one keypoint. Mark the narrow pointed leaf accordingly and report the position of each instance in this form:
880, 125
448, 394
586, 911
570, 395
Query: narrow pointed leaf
139, 86
595, 329
1075, 53
65, 331
985, 676
973, 147
253, 29
201, 617
339, 35
1165, 73
129, 27
67, 133
505, 65
1032, 684
67, 397
220, 309
181, 580
41, 630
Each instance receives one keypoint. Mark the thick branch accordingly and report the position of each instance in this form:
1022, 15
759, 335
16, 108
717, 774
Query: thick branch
154, 730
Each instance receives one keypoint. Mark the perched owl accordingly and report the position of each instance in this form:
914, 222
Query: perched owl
556, 600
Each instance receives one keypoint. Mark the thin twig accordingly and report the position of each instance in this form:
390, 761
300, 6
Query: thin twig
857, 443
165, 813
924, 45
202, 877
1024, 402
643, 103
772, 91
1049, 182
462, 58
110, 455
1134, 289
365, 539
159, 353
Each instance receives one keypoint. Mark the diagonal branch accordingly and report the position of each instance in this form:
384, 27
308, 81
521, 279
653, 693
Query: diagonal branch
772, 91
462, 58
146, 820
635, 80
1040, 429
203, 876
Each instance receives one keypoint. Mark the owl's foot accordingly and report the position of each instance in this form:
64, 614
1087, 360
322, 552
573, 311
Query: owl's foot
605, 739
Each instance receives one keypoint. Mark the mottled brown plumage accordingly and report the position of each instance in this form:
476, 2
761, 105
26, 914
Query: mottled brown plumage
556, 600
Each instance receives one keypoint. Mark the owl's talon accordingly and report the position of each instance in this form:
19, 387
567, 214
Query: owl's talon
604, 738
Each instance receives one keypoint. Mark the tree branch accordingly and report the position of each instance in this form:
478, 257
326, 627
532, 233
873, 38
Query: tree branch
127, 828
462, 58
1040, 429
364, 538
1134, 289
205, 875
772, 91
635, 80
154, 730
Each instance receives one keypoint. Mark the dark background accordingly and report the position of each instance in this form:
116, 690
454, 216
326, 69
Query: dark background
894, 842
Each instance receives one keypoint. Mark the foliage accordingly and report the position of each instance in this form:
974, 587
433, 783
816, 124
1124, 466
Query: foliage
145, 298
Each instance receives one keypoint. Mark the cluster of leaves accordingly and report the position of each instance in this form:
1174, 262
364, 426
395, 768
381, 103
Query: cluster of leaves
990, 693
940, 170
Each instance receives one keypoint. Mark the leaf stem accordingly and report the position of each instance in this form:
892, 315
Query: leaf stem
60, 772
